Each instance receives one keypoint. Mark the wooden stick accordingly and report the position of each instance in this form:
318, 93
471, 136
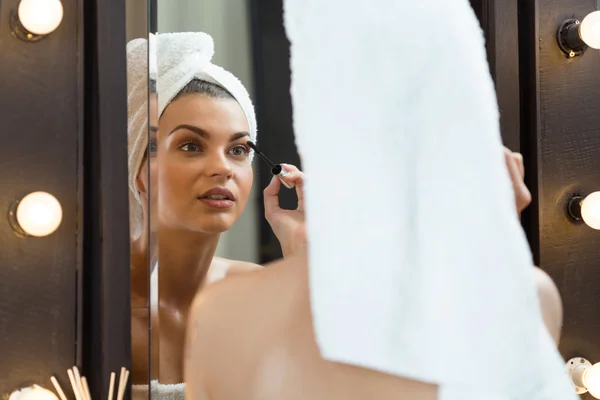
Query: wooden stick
122, 383
79, 384
111, 387
86, 388
59, 390
74, 384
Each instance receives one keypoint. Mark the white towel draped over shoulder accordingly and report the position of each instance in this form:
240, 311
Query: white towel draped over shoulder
418, 264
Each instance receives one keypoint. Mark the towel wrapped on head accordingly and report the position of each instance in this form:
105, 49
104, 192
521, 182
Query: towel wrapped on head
185, 56
141, 68
418, 264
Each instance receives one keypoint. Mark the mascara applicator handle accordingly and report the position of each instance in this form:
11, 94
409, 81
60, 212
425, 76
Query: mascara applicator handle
279, 171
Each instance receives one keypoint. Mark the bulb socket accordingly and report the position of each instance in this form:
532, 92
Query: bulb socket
20, 32
574, 208
13, 222
569, 39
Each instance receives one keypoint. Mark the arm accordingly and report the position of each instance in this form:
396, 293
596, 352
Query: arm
550, 303
549, 297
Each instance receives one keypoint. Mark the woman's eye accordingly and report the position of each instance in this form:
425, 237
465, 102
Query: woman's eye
190, 147
239, 151
152, 146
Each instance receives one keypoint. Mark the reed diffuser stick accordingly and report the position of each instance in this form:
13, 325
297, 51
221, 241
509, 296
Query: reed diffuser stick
111, 387
78, 382
59, 390
86, 388
74, 384
81, 389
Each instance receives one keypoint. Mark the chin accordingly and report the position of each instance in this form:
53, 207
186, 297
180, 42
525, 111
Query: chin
214, 224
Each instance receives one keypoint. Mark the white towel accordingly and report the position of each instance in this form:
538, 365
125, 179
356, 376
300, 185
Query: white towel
418, 264
185, 56
159, 391
137, 130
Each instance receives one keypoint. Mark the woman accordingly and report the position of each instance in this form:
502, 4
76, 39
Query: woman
279, 358
200, 174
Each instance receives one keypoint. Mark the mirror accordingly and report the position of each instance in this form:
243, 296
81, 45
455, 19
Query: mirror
208, 200
141, 189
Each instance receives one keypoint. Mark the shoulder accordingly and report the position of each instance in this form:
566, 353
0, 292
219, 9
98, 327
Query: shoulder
221, 268
221, 317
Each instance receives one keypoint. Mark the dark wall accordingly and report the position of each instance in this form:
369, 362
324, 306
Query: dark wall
561, 114
271, 50
40, 110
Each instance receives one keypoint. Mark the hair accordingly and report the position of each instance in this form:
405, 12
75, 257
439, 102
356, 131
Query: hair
212, 90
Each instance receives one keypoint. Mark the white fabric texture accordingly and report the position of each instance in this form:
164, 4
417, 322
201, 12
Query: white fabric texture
159, 391
418, 264
184, 56
138, 74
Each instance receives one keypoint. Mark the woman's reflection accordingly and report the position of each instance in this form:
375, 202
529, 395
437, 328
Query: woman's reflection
142, 193
204, 178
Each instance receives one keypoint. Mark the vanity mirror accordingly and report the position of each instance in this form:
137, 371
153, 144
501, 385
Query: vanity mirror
140, 98
206, 206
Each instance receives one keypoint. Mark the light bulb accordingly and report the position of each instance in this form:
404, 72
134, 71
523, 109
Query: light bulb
40, 17
34, 392
591, 380
39, 214
590, 210
589, 30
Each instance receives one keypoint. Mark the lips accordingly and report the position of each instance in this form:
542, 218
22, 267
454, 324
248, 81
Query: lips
218, 198
217, 194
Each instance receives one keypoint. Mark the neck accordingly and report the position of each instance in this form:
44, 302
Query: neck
139, 270
184, 260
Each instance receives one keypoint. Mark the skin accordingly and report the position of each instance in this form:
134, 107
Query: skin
549, 296
230, 356
199, 144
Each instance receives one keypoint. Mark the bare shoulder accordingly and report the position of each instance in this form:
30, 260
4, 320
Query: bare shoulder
235, 267
550, 302
223, 321
222, 308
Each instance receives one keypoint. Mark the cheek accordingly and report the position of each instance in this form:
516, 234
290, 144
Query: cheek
245, 178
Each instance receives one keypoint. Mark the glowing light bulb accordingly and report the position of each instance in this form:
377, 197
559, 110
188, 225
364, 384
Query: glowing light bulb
589, 30
34, 392
39, 214
590, 210
591, 380
40, 17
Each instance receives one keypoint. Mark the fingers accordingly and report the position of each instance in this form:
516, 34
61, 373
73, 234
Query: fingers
518, 158
271, 196
296, 177
516, 170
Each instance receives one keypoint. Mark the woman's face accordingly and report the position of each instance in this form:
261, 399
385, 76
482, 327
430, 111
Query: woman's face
204, 174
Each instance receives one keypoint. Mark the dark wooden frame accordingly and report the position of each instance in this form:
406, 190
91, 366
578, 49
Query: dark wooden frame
106, 256
560, 106
41, 111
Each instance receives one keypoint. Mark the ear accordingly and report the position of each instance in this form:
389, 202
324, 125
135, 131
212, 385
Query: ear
140, 182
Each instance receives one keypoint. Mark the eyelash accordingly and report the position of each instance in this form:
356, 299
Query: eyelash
244, 147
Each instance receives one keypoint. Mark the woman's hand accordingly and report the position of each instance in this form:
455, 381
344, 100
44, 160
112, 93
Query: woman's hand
288, 225
516, 170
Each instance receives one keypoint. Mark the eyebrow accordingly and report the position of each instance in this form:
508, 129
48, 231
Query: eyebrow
154, 129
202, 133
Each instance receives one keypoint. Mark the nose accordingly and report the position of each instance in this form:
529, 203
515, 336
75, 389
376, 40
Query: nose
219, 166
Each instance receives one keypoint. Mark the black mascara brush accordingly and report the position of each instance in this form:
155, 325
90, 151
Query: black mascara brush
276, 169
